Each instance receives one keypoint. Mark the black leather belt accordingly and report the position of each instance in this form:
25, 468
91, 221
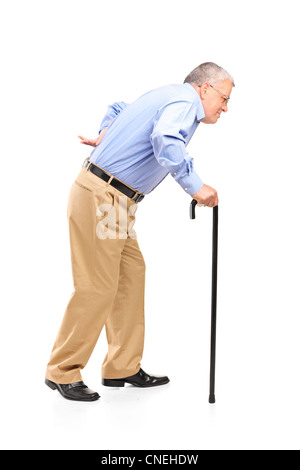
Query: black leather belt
136, 196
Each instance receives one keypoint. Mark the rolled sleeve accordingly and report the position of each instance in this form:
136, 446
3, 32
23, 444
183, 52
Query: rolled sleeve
112, 112
171, 127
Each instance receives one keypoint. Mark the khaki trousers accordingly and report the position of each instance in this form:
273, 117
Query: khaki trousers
109, 280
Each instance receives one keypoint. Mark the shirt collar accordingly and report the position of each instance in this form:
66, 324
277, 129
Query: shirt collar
200, 109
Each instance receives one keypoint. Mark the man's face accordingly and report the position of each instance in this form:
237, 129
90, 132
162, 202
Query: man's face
214, 100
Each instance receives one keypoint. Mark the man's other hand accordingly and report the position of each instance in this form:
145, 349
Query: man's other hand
93, 142
206, 196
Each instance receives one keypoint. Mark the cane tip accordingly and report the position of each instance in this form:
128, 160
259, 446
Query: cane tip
212, 399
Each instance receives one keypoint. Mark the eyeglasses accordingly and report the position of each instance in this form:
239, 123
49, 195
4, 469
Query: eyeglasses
227, 98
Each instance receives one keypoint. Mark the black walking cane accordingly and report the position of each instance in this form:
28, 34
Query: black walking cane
212, 398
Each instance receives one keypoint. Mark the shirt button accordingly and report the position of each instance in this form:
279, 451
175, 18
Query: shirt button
186, 189
175, 174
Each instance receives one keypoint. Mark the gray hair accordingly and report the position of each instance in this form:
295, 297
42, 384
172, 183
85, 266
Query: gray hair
208, 72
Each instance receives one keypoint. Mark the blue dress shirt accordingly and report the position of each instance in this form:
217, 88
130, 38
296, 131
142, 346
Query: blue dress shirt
147, 139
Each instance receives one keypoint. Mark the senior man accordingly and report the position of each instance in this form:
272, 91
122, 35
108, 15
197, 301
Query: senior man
141, 143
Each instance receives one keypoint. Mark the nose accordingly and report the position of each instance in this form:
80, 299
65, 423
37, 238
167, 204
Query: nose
225, 107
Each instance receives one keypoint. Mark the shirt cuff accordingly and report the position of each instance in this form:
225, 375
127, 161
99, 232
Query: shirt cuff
190, 183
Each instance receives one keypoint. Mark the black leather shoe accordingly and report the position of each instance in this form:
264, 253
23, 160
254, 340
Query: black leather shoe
141, 379
77, 391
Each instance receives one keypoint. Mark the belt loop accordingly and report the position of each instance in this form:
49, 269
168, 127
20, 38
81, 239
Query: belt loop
110, 180
136, 196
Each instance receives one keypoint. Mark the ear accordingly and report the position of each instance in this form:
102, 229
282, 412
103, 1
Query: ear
204, 89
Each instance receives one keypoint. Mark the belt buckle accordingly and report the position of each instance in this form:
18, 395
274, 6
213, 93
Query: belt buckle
87, 163
138, 197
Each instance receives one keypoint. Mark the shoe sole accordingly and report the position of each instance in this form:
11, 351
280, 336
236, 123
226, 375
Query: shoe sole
121, 383
53, 386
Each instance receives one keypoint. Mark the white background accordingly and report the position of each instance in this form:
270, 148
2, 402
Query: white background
62, 63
